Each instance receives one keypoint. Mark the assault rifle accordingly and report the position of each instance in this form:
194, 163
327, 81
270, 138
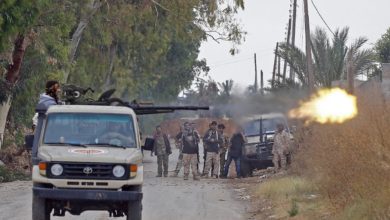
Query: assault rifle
75, 95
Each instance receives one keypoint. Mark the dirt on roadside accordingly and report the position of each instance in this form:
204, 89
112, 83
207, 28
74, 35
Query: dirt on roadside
257, 208
16, 158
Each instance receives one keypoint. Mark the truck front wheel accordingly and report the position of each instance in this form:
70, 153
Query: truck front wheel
134, 211
40, 211
134, 208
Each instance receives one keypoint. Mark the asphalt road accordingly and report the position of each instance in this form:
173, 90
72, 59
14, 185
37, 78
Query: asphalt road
164, 198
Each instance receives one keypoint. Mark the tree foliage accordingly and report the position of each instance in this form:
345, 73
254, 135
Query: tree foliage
146, 49
330, 57
382, 48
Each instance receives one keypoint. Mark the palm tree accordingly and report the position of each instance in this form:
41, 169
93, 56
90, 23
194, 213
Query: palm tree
330, 56
226, 88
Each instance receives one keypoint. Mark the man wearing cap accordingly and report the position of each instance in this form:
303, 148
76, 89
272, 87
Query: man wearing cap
212, 141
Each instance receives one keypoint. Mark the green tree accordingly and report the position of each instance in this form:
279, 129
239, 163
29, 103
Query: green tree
17, 19
382, 48
148, 49
46, 58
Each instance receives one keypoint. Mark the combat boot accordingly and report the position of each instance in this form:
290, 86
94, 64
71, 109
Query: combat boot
197, 178
175, 174
185, 177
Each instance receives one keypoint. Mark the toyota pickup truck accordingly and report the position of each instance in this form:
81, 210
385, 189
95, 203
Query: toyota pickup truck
86, 155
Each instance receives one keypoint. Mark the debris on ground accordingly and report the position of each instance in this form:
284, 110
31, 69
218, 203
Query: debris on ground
15, 164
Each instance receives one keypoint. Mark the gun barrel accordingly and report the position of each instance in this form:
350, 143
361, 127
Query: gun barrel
144, 110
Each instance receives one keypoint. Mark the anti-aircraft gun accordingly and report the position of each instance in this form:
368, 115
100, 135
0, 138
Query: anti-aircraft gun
86, 155
75, 95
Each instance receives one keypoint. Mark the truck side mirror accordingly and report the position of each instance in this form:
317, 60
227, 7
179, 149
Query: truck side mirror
29, 141
149, 143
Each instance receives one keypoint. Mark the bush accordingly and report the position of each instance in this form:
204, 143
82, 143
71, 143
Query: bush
286, 187
350, 162
294, 208
7, 175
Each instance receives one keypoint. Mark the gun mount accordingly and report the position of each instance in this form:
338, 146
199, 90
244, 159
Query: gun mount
75, 95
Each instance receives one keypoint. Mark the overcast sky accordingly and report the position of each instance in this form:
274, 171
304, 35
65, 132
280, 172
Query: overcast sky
266, 23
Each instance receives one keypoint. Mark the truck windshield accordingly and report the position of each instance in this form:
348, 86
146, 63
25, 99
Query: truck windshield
90, 129
269, 126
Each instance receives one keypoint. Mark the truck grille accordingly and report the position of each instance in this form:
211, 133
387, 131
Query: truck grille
86, 171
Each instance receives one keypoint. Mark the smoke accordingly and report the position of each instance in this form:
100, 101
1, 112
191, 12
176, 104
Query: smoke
233, 108
244, 104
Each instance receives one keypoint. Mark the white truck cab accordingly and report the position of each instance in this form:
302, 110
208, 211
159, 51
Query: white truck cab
87, 157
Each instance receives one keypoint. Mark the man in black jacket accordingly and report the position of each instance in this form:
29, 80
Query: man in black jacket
236, 144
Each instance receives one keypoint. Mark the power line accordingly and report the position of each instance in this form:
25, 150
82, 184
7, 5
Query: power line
229, 62
322, 18
225, 64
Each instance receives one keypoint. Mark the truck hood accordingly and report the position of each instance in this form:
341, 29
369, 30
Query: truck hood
90, 154
256, 139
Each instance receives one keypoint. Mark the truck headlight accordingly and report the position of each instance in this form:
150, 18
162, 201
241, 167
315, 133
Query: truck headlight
118, 171
42, 168
133, 170
56, 169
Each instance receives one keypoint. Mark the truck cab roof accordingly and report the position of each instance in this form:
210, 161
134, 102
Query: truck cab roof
90, 109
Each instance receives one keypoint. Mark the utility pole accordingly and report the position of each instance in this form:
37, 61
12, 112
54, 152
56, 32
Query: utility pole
350, 73
288, 43
275, 64
294, 26
279, 70
309, 61
262, 82
256, 85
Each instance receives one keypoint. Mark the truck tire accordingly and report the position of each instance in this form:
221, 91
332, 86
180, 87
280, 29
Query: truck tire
134, 211
40, 210
246, 169
134, 208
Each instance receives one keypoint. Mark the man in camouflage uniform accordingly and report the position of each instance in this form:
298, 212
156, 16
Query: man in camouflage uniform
196, 133
281, 147
205, 154
162, 149
223, 148
189, 141
212, 141
179, 164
